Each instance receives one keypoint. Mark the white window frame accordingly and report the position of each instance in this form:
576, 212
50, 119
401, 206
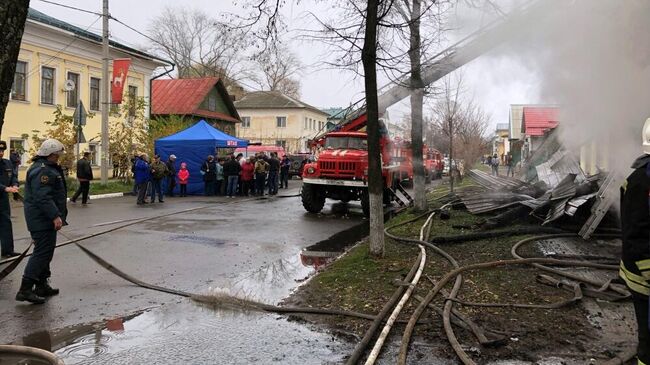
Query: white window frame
306, 123
23, 156
54, 83
94, 161
246, 122
99, 104
26, 84
77, 87
277, 119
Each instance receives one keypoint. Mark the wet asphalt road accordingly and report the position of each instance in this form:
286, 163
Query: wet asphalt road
248, 246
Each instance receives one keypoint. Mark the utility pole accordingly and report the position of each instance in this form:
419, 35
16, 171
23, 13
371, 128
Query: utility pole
451, 153
106, 103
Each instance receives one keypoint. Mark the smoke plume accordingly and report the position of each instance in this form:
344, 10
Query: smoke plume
592, 58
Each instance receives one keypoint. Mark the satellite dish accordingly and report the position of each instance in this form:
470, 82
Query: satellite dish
69, 85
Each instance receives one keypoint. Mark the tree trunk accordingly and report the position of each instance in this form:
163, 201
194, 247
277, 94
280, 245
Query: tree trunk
13, 14
375, 180
417, 100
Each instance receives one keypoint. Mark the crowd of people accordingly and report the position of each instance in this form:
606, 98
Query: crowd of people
231, 176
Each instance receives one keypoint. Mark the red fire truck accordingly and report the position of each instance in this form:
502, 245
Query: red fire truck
432, 158
341, 171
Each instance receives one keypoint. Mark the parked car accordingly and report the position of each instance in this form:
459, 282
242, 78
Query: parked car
297, 163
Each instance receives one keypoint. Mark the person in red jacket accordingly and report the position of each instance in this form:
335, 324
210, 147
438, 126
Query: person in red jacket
183, 178
247, 172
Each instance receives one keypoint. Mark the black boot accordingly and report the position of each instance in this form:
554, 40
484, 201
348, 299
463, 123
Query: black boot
43, 289
26, 293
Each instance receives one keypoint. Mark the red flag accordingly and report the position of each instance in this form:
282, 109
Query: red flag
120, 70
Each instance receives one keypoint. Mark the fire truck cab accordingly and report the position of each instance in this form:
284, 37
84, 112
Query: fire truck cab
341, 171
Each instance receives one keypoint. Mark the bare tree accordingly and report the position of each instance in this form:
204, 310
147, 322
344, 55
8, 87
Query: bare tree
279, 68
199, 45
13, 14
458, 126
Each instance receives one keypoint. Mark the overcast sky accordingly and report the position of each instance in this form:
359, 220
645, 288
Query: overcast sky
494, 80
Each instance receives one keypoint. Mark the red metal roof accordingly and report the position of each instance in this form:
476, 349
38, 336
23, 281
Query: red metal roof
539, 120
183, 97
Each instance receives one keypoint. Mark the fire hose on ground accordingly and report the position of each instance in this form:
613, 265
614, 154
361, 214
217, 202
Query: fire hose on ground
32, 353
577, 289
446, 318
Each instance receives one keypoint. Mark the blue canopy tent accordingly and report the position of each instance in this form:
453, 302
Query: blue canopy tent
192, 146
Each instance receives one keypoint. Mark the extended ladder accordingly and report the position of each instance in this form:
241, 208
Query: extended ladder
403, 198
607, 195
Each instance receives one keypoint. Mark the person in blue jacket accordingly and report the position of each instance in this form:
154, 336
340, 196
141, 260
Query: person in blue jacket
142, 177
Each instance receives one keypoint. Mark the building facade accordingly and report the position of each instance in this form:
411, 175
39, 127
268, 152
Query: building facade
272, 118
501, 141
60, 64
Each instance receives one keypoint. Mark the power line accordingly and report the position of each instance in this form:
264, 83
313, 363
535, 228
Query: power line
167, 46
71, 7
74, 39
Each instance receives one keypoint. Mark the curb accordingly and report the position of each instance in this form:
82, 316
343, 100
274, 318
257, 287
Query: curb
103, 196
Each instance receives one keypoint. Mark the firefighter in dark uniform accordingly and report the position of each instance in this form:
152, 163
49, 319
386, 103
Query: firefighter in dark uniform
45, 213
8, 185
635, 224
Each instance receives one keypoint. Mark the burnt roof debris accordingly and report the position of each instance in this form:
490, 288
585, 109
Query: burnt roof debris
495, 182
551, 202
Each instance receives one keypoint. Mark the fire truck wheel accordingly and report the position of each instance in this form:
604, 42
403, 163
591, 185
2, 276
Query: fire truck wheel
313, 199
427, 178
365, 203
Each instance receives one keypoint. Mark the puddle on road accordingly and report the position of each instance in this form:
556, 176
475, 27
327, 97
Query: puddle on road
209, 241
327, 250
275, 280
184, 333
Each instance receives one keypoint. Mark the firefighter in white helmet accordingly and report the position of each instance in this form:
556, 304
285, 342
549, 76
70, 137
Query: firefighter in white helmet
635, 225
45, 213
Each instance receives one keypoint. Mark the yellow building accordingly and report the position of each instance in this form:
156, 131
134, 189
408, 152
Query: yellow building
273, 118
501, 141
51, 53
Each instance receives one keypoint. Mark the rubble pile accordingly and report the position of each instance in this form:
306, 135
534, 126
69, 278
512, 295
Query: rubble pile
546, 199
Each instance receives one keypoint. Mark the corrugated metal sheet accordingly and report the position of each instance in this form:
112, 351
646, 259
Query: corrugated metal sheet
565, 189
495, 182
556, 168
488, 201
575, 203
556, 212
